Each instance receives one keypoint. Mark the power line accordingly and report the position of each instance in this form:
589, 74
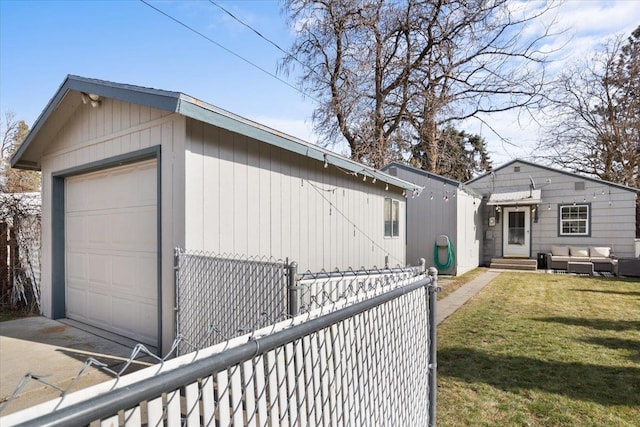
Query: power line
259, 34
229, 50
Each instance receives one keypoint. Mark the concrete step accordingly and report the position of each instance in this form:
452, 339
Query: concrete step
515, 261
514, 264
511, 266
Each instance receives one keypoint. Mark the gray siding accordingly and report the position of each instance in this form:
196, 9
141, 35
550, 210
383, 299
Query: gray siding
430, 215
612, 213
115, 128
246, 197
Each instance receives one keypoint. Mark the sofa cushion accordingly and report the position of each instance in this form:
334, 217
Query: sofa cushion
599, 251
559, 250
600, 259
561, 258
578, 251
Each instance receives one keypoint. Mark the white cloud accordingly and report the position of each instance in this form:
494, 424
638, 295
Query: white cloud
589, 25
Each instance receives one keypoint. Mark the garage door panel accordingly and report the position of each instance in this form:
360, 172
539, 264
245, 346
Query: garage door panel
98, 270
76, 303
75, 230
134, 229
111, 250
142, 283
75, 195
77, 267
98, 308
124, 311
142, 315
97, 229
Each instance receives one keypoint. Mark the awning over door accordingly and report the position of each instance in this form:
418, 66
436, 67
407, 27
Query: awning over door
526, 197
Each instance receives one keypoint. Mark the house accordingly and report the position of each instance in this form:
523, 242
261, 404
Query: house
445, 208
129, 173
527, 208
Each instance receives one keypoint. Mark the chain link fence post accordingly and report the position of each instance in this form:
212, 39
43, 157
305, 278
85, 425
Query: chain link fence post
432, 289
292, 285
176, 290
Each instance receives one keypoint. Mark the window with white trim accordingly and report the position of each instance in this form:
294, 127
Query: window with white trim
391, 218
574, 220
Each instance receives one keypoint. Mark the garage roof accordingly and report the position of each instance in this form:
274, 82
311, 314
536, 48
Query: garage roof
69, 97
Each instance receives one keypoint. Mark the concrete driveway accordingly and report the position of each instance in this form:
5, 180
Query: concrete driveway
56, 351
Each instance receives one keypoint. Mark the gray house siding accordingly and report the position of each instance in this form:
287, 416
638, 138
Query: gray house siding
442, 209
612, 208
246, 197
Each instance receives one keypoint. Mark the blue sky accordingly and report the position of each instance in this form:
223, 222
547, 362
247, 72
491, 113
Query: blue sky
128, 42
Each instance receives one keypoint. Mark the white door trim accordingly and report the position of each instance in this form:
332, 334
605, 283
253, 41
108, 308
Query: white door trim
516, 232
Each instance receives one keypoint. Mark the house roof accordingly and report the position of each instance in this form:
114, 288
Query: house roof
74, 88
433, 176
599, 181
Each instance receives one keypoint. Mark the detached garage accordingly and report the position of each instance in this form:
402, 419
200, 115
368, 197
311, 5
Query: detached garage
129, 173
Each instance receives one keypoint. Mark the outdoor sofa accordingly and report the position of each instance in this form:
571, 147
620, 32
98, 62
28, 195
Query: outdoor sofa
600, 256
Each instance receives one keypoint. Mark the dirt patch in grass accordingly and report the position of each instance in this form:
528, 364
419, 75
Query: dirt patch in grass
542, 350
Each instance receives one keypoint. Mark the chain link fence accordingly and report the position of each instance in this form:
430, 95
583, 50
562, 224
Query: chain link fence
364, 359
218, 296
312, 290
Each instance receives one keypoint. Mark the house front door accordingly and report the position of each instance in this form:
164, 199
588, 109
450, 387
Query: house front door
516, 233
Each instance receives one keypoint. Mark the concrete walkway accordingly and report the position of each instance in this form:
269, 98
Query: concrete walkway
448, 305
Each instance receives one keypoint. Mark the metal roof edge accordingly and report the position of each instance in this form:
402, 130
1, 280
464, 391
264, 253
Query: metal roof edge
549, 168
441, 178
192, 107
156, 98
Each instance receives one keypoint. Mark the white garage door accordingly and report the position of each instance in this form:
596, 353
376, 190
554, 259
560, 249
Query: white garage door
111, 250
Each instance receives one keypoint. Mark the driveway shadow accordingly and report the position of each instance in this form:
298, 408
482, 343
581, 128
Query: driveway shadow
606, 385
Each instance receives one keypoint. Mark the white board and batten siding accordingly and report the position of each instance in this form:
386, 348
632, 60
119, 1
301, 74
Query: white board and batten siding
243, 196
468, 231
612, 213
98, 198
442, 209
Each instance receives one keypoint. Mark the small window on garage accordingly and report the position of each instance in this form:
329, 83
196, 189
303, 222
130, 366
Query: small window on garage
574, 220
391, 218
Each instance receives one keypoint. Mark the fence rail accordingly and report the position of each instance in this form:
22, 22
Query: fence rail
312, 290
364, 360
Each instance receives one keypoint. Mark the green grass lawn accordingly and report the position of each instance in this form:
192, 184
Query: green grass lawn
542, 350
